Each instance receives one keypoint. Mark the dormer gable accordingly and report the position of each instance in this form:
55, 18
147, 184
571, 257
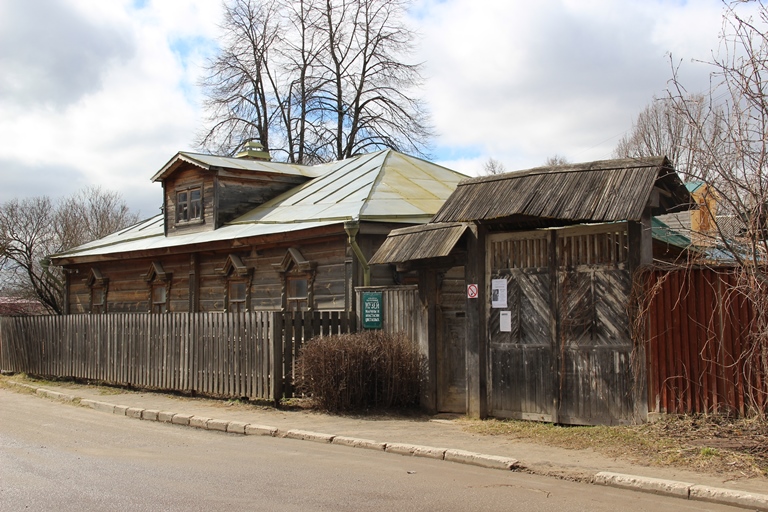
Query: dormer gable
204, 192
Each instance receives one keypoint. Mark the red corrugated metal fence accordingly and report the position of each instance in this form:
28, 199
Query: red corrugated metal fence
700, 355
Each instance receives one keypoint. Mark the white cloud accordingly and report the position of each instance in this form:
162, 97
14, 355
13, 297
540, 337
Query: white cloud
120, 118
521, 81
103, 93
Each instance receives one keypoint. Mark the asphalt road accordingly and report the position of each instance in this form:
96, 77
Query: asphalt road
55, 456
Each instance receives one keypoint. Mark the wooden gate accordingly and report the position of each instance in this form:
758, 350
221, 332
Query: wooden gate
560, 348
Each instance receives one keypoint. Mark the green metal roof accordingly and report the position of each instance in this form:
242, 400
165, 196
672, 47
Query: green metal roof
385, 186
663, 233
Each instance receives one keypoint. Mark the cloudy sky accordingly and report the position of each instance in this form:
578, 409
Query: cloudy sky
103, 93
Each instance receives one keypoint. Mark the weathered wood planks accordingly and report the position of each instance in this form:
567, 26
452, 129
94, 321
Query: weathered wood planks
226, 354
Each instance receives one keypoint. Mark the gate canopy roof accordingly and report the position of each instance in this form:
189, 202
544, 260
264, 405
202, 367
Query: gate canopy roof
603, 191
433, 240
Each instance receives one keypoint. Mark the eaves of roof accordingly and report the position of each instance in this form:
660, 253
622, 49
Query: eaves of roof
213, 162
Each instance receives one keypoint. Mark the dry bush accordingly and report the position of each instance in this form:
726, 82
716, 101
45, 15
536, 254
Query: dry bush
350, 372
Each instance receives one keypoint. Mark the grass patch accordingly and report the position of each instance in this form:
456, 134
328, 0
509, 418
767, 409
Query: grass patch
710, 443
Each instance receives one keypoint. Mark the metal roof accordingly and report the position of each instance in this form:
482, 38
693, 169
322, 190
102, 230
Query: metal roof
149, 235
385, 186
665, 233
419, 242
603, 191
213, 162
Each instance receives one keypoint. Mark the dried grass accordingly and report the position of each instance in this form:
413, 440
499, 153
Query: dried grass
710, 443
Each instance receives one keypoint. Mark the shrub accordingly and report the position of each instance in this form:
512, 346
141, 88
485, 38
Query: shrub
370, 369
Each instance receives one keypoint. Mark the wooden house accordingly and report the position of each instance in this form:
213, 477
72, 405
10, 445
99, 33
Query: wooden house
247, 234
526, 279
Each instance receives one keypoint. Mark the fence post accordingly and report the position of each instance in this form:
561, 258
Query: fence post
277, 356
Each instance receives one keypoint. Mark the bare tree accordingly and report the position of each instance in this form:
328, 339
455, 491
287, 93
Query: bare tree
556, 160
34, 228
493, 166
242, 102
661, 130
315, 80
733, 157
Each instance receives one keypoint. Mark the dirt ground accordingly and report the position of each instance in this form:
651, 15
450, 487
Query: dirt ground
713, 444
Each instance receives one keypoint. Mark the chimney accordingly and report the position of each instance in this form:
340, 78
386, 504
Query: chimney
253, 150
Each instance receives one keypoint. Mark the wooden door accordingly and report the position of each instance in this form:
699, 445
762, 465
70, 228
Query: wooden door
521, 355
451, 342
595, 364
564, 352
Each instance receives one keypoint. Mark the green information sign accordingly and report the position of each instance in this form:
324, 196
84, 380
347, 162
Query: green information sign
372, 310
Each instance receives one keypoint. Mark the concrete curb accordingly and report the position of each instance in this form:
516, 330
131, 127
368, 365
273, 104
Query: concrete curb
359, 443
480, 459
306, 435
672, 488
729, 497
645, 484
684, 490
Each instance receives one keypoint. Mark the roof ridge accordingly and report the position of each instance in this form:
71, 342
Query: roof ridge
597, 165
379, 177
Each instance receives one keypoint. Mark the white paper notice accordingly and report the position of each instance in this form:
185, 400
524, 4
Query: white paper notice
505, 321
498, 293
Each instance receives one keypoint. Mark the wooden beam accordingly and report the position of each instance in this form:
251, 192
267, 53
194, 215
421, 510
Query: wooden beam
477, 386
428, 284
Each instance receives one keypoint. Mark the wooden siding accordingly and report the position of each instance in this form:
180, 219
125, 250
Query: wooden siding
613, 190
181, 180
240, 192
700, 358
229, 355
403, 311
128, 291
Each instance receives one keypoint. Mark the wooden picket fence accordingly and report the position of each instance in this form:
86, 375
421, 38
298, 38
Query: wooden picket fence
225, 354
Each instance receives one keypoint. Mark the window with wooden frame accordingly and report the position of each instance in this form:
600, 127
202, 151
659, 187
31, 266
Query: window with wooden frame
297, 291
159, 282
98, 285
298, 276
237, 294
238, 285
189, 204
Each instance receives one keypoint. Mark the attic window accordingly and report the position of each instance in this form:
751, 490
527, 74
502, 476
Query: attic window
189, 204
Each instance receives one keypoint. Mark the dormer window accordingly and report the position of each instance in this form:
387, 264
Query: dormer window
189, 204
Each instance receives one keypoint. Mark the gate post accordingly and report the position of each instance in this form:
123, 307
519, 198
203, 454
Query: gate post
477, 346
